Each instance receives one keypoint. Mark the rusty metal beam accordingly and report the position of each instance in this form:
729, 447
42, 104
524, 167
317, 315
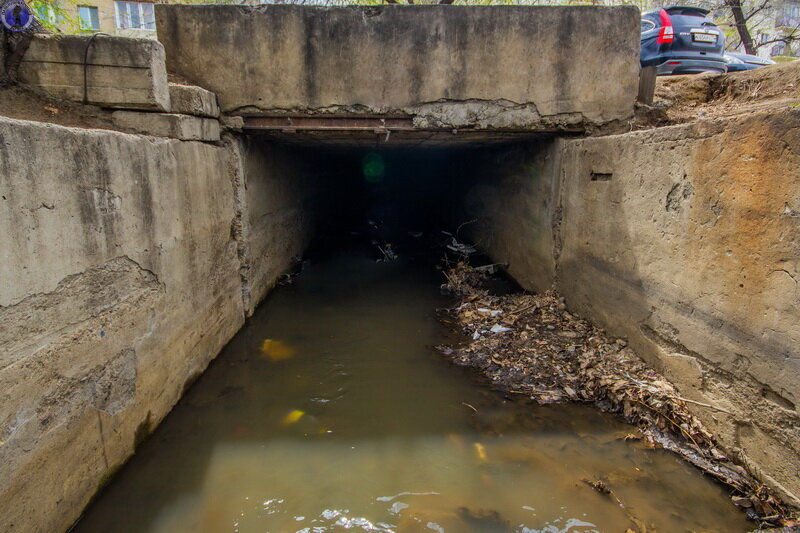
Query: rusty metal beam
290, 124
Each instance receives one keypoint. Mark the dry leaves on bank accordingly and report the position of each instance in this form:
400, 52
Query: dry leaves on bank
530, 344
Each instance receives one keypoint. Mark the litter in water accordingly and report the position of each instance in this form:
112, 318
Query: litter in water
276, 350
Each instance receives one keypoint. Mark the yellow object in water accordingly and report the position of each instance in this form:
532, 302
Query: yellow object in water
293, 417
276, 350
480, 451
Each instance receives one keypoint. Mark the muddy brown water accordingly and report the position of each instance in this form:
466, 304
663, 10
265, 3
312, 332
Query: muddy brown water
348, 419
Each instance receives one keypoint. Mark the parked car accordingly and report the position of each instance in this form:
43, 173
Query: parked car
738, 62
681, 40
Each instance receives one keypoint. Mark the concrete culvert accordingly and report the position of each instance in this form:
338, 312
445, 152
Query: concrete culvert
221, 278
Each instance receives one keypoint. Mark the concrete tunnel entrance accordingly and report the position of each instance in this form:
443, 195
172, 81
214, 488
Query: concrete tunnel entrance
391, 193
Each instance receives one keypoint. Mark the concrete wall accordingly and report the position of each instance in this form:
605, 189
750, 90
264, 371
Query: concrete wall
685, 240
691, 250
279, 191
486, 67
512, 189
121, 280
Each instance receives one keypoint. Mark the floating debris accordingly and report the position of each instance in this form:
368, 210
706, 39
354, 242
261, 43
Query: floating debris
387, 252
460, 248
552, 355
480, 452
276, 350
293, 417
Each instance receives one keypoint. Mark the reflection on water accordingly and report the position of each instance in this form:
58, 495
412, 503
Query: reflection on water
330, 411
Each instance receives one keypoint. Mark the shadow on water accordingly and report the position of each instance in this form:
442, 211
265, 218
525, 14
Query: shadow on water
331, 410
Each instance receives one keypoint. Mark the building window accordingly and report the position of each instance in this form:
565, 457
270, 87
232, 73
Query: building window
46, 13
89, 18
135, 15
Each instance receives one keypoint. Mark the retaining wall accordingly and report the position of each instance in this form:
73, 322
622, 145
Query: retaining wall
685, 240
122, 278
107, 71
509, 207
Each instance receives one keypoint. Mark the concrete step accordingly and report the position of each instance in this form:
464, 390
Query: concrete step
177, 126
193, 100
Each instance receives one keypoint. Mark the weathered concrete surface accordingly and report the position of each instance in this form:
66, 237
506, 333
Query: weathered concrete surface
684, 240
193, 100
119, 72
512, 189
183, 127
278, 188
690, 249
504, 67
119, 284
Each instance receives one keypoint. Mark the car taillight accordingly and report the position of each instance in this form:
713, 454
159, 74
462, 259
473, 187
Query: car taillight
667, 33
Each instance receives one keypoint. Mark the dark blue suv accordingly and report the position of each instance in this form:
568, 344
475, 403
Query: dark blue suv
681, 40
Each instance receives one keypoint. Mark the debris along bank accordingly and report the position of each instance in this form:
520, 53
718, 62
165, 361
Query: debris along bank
531, 344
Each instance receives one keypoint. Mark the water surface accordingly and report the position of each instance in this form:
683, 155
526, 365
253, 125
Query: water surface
348, 419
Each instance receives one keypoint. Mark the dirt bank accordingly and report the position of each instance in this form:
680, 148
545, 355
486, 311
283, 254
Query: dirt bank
681, 99
26, 103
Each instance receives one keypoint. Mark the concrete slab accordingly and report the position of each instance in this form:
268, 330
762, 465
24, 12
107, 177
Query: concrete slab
487, 67
113, 72
183, 127
193, 100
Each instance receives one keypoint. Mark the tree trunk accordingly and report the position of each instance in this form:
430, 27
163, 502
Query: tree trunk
13, 46
741, 25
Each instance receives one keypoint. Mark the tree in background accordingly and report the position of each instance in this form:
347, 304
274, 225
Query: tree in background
13, 45
746, 16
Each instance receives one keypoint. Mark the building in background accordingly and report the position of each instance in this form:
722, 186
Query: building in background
787, 23
114, 17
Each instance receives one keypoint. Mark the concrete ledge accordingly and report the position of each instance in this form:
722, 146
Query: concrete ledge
183, 127
193, 100
119, 73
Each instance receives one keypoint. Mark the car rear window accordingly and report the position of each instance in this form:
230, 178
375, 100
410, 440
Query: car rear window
690, 20
688, 16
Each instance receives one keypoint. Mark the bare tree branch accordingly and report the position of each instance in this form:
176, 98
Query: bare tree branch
764, 5
741, 25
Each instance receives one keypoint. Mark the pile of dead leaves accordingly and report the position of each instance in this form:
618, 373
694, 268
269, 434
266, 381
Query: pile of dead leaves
530, 344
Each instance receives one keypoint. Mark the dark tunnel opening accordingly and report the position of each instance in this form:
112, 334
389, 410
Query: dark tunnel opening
392, 202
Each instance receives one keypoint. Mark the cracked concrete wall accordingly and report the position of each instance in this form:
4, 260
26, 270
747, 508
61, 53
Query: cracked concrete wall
685, 240
487, 67
119, 284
